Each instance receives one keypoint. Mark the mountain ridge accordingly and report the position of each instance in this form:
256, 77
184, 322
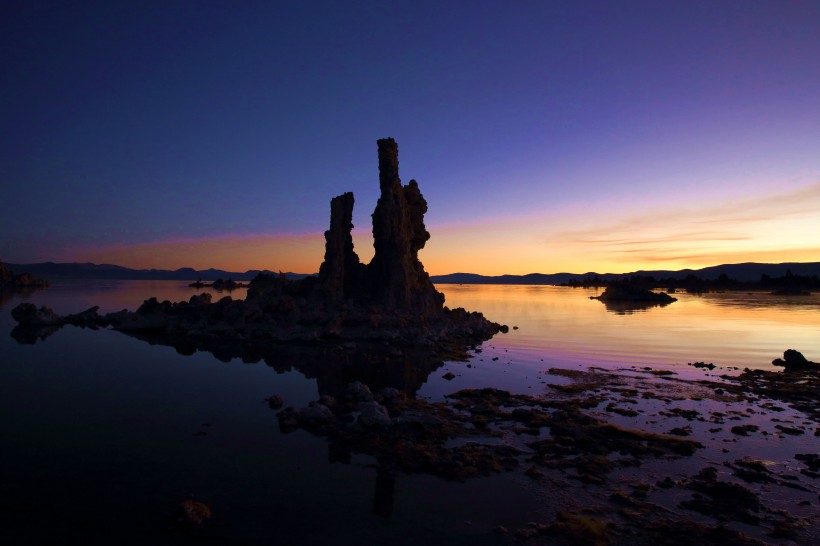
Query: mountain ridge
86, 270
747, 271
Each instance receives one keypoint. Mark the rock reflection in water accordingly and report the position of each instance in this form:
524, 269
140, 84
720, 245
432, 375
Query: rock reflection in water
629, 307
28, 335
333, 366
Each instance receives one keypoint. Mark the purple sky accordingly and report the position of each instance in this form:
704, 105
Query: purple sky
545, 135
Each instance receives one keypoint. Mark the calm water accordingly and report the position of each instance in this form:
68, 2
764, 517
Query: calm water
562, 326
103, 434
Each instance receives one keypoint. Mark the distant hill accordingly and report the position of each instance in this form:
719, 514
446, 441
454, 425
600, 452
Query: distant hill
745, 272
64, 271
531, 278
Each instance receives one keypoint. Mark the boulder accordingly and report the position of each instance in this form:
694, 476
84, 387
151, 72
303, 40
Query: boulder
795, 361
28, 314
315, 414
87, 318
373, 415
360, 392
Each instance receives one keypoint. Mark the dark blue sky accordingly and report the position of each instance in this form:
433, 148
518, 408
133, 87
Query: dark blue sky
131, 124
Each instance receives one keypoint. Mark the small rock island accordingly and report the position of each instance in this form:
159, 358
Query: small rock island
390, 299
624, 297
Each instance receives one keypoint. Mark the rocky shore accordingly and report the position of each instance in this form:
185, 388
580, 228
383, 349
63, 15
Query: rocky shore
644, 456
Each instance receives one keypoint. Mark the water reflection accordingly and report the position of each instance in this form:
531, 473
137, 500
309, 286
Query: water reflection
629, 307
556, 324
333, 366
92, 405
7, 294
26, 335
562, 326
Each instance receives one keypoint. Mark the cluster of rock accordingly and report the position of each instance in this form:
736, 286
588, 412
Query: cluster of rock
219, 284
631, 292
392, 298
10, 280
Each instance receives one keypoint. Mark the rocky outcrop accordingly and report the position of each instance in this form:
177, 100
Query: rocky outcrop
11, 281
219, 284
390, 299
631, 293
28, 314
395, 278
795, 361
624, 298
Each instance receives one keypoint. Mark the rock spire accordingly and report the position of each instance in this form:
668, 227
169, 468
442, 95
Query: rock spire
395, 277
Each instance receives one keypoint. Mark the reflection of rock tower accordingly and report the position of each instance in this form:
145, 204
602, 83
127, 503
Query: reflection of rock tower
396, 277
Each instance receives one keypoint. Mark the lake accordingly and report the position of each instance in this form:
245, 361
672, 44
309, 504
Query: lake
103, 434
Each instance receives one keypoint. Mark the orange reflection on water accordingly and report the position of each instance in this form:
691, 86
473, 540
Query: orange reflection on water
563, 326
114, 295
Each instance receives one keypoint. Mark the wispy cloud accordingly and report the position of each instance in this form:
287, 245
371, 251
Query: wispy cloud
772, 225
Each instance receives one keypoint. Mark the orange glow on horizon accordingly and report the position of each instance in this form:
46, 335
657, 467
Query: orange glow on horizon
774, 228
238, 253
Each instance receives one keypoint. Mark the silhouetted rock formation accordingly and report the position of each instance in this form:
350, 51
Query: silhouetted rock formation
628, 292
624, 298
219, 284
795, 361
397, 276
341, 274
391, 299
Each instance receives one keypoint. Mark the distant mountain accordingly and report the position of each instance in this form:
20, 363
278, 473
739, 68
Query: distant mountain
60, 271
745, 272
531, 278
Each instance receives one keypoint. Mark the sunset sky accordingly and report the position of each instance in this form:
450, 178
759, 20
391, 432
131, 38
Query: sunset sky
546, 136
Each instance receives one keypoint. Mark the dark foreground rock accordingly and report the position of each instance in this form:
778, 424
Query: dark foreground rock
795, 361
390, 299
